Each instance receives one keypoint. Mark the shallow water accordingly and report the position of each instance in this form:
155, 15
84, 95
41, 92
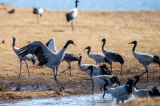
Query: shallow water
78, 100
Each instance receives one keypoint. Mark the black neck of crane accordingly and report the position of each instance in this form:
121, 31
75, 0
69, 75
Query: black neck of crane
103, 45
79, 61
135, 82
66, 45
89, 49
134, 47
13, 42
76, 4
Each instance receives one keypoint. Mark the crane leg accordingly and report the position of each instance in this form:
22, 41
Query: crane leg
69, 68
20, 68
37, 18
72, 25
59, 84
92, 87
27, 68
147, 73
121, 71
111, 68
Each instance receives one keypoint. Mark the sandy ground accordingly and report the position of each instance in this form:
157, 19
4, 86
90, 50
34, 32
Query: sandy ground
118, 27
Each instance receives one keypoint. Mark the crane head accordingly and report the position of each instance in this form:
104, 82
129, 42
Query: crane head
103, 40
88, 47
71, 42
133, 42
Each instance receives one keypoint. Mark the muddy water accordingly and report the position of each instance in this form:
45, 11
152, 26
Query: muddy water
78, 100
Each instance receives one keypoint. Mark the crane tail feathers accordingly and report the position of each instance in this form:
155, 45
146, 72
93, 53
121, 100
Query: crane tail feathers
156, 60
33, 60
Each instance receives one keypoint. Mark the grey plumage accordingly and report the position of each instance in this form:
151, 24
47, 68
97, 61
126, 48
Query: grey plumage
97, 57
28, 57
143, 58
103, 80
72, 14
69, 57
46, 57
144, 93
112, 56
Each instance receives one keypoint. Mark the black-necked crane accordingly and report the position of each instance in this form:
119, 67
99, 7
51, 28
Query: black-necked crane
103, 80
46, 57
143, 93
112, 56
28, 57
143, 58
68, 57
72, 14
97, 57
39, 12
121, 93
97, 70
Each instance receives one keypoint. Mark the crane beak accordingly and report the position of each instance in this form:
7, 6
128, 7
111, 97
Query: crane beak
130, 43
74, 44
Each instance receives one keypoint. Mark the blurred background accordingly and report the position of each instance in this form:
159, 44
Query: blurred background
88, 4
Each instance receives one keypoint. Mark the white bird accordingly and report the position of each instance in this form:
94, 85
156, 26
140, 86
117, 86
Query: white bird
97, 57
104, 80
39, 12
68, 57
28, 57
121, 93
144, 93
112, 56
72, 14
143, 58
46, 57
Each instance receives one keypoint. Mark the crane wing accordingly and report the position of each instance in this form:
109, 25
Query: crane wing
39, 49
51, 45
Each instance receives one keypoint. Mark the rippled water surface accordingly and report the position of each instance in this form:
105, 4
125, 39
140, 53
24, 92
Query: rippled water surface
78, 100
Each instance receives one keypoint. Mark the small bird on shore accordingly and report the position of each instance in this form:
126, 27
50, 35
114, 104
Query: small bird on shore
72, 14
28, 57
143, 58
112, 56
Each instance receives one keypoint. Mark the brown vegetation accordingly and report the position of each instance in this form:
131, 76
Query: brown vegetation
118, 27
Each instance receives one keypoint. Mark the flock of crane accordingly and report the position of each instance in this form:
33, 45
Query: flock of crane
48, 55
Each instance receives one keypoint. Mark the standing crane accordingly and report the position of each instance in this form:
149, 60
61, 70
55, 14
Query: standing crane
112, 56
97, 70
143, 93
97, 57
121, 93
46, 57
28, 57
72, 14
68, 57
143, 58
39, 12
104, 80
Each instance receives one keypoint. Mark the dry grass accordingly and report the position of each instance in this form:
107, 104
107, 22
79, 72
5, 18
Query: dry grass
118, 27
